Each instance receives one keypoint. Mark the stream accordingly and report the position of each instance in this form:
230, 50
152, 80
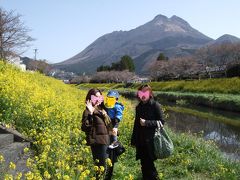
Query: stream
225, 136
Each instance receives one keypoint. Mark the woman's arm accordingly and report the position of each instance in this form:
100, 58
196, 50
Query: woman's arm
159, 122
87, 119
134, 133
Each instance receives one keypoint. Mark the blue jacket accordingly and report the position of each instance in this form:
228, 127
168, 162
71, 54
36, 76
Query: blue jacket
116, 113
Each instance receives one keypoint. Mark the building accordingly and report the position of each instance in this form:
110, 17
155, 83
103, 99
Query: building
15, 60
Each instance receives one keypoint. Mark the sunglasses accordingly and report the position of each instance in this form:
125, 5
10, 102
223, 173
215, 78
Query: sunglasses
96, 99
143, 94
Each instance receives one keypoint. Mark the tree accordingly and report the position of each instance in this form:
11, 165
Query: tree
127, 63
112, 76
39, 65
161, 57
103, 68
14, 36
177, 68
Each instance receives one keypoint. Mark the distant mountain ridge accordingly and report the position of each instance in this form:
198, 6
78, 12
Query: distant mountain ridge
226, 38
172, 36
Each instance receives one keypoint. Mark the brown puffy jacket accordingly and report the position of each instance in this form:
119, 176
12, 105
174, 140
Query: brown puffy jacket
96, 127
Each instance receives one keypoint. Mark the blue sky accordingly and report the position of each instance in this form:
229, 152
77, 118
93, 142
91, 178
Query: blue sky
63, 28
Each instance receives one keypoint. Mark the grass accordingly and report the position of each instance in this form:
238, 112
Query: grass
49, 112
219, 85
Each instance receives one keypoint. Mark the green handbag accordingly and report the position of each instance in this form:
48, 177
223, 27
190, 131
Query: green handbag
163, 145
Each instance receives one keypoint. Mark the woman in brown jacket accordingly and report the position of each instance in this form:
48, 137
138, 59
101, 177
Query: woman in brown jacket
96, 124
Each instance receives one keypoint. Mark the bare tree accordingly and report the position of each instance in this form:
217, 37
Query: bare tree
185, 67
175, 68
219, 55
14, 36
112, 76
39, 65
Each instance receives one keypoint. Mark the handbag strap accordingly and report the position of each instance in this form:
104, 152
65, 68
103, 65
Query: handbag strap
159, 125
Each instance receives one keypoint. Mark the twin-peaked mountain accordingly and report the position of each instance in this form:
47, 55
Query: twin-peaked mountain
172, 36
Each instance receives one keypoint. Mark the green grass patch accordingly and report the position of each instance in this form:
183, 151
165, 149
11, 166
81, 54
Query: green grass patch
219, 85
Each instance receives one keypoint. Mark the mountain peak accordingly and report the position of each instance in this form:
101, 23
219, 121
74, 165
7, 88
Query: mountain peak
160, 17
227, 38
163, 34
173, 24
175, 18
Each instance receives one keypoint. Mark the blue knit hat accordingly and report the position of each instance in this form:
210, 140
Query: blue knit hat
113, 93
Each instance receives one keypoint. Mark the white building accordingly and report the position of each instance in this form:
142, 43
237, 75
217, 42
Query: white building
17, 62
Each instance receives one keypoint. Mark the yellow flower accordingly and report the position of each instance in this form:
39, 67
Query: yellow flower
66, 177
7, 126
130, 177
109, 162
29, 175
12, 165
84, 142
8, 177
160, 175
102, 169
58, 175
18, 176
26, 150
47, 175
47, 147
1, 159
67, 167
96, 168
29, 162
58, 164
80, 168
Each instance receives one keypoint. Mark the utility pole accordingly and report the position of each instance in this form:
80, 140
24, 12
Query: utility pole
35, 54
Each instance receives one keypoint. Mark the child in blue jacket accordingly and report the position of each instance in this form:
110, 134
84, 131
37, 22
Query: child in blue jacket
115, 112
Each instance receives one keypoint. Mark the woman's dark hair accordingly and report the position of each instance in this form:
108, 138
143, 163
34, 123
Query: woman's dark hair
146, 87
93, 91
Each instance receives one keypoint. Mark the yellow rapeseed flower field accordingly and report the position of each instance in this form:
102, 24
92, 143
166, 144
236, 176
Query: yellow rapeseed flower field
49, 113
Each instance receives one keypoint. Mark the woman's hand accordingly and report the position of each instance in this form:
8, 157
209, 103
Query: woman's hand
142, 122
90, 106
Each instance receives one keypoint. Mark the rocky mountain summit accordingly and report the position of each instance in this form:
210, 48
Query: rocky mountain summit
172, 36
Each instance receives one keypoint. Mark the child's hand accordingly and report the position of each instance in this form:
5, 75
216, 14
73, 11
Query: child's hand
114, 131
90, 106
104, 113
142, 122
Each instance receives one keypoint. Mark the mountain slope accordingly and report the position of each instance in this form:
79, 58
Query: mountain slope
226, 38
169, 35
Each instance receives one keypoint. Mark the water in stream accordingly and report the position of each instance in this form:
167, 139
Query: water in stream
227, 137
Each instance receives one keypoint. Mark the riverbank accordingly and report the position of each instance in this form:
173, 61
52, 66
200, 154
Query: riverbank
214, 93
49, 113
219, 85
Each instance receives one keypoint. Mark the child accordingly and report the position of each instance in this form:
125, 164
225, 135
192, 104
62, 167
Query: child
115, 112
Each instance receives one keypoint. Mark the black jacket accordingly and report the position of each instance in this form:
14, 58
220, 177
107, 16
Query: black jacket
142, 136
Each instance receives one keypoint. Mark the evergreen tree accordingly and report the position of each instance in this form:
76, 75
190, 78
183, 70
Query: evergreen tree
161, 57
126, 63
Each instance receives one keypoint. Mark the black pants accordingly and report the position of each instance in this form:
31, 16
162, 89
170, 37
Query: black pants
99, 153
149, 171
